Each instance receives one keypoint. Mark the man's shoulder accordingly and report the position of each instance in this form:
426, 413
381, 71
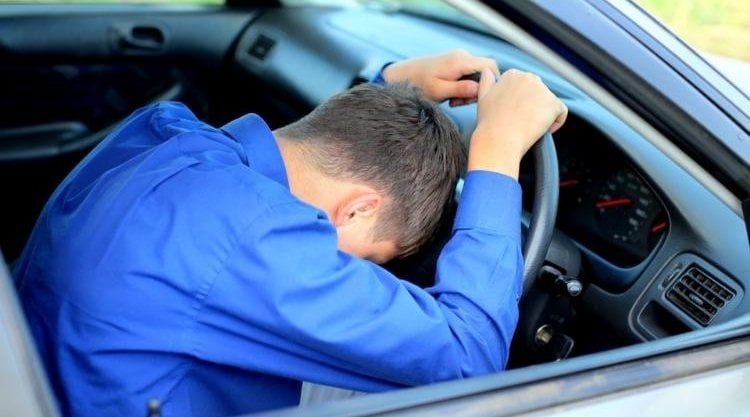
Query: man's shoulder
253, 190
232, 197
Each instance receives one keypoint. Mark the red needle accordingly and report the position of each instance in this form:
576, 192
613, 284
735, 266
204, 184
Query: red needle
615, 202
568, 183
659, 227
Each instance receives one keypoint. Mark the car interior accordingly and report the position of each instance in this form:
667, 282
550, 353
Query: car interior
641, 249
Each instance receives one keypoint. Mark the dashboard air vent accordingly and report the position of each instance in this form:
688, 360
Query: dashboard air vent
699, 295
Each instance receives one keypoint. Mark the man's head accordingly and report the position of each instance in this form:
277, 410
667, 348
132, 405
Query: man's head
382, 161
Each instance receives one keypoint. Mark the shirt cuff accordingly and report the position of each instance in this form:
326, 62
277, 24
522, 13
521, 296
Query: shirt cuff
490, 201
378, 78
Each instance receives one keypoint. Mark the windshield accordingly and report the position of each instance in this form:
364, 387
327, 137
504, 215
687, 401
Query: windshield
434, 9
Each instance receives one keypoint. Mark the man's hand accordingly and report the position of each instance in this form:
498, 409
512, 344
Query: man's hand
512, 114
438, 76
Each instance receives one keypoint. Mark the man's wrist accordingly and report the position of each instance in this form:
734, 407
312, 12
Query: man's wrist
391, 73
385, 72
507, 168
488, 153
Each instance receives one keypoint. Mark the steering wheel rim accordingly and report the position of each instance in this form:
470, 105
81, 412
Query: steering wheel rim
544, 212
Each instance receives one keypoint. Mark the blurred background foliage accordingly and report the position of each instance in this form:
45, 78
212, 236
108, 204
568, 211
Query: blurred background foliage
720, 27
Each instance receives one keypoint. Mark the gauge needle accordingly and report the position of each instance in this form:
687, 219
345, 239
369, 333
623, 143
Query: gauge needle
659, 227
614, 202
568, 183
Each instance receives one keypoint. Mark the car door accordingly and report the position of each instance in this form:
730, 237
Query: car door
70, 73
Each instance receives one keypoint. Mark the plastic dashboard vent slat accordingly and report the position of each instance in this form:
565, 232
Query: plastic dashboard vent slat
699, 295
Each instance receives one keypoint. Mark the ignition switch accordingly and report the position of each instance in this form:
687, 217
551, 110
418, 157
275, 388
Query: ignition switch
560, 283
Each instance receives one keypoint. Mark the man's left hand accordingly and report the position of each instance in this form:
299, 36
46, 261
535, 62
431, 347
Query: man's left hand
439, 76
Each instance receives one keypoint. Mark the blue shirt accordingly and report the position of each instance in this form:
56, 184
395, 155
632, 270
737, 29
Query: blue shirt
174, 263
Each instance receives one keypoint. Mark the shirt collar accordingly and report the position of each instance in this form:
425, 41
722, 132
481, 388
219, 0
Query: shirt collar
260, 146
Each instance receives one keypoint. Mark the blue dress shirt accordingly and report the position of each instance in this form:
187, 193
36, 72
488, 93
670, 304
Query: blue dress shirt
174, 263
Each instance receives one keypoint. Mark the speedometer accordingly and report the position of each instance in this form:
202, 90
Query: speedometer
610, 210
626, 211
624, 206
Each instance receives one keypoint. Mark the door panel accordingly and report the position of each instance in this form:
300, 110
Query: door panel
71, 73
46, 110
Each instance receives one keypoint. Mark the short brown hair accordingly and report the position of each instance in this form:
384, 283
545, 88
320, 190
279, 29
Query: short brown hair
395, 139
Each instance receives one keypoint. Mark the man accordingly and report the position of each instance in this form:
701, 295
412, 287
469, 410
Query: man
214, 269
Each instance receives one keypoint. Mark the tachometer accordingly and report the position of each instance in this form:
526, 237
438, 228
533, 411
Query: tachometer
576, 180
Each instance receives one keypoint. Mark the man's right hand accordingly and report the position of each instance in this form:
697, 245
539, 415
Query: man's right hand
512, 114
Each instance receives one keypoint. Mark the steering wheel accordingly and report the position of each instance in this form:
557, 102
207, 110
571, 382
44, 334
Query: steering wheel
544, 212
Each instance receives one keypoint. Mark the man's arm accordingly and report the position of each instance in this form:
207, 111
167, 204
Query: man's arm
290, 304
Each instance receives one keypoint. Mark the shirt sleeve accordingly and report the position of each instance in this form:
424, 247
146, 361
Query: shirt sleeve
290, 304
378, 77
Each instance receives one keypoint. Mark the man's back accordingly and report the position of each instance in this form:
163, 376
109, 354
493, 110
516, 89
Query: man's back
118, 268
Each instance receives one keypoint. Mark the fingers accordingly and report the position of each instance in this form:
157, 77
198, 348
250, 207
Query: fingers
469, 64
463, 89
466, 63
479, 64
470, 90
486, 82
561, 117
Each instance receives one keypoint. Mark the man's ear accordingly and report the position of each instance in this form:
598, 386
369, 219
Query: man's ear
364, 206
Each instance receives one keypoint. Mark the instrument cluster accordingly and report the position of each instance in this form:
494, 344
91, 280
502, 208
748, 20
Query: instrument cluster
605, 203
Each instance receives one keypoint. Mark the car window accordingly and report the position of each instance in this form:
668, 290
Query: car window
718, 29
